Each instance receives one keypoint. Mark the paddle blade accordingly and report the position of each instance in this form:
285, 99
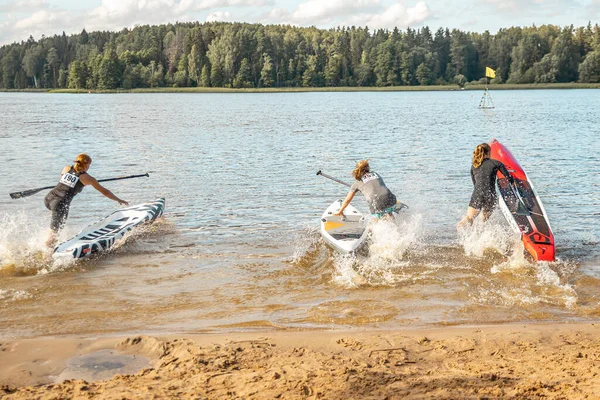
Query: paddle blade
25, 193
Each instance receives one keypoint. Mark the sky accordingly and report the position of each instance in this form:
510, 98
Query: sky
21, 18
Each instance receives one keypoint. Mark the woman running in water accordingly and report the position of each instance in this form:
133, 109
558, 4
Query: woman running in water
382, 201
72, 180
483, 174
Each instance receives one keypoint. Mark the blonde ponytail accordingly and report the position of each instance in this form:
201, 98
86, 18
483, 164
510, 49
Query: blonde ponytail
362, 167
481, 152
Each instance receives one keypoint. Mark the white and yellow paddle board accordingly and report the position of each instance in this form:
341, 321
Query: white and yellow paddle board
103, 234
345, 234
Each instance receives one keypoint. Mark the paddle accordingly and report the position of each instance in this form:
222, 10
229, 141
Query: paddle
400, 205
30, 192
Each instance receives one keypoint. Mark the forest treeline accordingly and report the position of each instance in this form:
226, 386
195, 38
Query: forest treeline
241, 55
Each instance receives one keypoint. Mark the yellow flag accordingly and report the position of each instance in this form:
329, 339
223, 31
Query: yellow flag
490, 73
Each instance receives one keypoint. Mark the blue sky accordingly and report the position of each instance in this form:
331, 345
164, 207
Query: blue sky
21, 18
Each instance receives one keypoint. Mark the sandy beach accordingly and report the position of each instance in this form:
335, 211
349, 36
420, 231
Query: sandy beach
557, 361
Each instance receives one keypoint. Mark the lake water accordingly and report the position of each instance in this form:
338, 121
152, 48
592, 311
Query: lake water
239, 246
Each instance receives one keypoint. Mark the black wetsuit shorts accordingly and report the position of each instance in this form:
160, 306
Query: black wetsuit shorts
60, 210
479, 201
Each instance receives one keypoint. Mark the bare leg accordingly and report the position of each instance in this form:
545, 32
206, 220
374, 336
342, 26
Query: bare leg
51, 241
471, 214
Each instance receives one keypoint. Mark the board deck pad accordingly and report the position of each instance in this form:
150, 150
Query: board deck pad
345, 234
103, 234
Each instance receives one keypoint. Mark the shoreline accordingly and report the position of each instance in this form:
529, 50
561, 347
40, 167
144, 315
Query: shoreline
553, 360
428, 88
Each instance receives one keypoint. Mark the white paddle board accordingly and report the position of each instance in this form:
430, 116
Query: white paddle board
103, 234
344, 234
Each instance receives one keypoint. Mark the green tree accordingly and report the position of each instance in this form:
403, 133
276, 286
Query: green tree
530, 49
194, 65
423, 74
242, 79
33, 63
565, 56
10, 66
310, 76
77, 75
205, 76
460, 80
544, 71
109, 75
53, 61
589, 69
383, 64
156, 74
266, 73
63, 75
181, 76
363, 71
216, 75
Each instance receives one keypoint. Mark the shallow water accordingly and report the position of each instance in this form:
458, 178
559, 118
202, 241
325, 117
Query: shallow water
239, 247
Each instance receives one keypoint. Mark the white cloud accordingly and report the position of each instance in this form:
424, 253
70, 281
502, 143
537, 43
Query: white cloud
278, 14
21, 18
42, 22
313, 11
23, 6
208, 4
593, 9
351, 12
533, 7
396, 15
219, 16
117, 14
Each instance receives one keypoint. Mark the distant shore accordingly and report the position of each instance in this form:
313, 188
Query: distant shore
556, 361
532, 86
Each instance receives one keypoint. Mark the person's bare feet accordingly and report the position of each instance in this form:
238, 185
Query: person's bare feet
51, 242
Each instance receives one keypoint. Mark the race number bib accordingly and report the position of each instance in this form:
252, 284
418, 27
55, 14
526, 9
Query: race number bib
369, 176
69, 179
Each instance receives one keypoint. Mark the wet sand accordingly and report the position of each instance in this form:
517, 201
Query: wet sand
505, 361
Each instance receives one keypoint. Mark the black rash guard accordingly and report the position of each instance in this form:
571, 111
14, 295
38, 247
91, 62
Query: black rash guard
484, 181
59, 199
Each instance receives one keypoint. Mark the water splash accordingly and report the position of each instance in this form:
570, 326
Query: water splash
481, 237
531, 282
391, 238
305, 244
345, 271
22, 245
384, 263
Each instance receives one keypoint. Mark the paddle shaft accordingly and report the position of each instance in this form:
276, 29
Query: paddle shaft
332, 178
26, 193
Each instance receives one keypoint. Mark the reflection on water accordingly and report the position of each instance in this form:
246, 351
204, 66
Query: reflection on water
239, 247
101, 365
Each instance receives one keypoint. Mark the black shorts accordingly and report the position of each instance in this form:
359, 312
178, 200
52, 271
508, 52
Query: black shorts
485, 203
60, 210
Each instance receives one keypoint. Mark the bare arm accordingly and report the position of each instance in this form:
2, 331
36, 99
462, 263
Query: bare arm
505, 172
346, 201
88, 180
